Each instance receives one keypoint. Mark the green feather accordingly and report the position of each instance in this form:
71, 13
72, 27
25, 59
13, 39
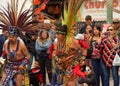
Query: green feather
69, 17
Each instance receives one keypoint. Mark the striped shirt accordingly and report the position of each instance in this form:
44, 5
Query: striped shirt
96, 51
106, 51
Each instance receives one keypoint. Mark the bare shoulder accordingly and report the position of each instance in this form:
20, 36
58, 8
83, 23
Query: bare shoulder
22, 44
5, 43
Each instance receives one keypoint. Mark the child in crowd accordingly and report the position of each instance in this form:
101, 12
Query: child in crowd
35, 75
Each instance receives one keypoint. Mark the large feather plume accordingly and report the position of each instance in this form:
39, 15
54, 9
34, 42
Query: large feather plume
69, 16
14, 15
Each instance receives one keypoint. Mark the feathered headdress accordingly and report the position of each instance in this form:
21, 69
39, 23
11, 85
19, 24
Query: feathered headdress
70, 10
17, 16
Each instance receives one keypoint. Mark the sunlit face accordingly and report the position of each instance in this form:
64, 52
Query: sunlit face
88, 22
44, 34
111, 30
96, 31
88, 28
60, 36
36, 64
12, 38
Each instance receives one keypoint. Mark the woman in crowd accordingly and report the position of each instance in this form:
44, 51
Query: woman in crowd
96, 61
108, 52
42, 48
89, 37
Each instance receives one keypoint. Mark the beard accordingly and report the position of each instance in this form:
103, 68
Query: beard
13, 41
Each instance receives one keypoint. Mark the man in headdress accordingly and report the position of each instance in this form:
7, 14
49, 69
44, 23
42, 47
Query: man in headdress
16, 55
64, 61
57, 52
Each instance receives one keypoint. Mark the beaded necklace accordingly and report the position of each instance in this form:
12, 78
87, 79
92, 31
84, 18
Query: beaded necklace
13, 53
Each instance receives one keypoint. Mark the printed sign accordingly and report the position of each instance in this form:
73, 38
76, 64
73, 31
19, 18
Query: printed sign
97, 9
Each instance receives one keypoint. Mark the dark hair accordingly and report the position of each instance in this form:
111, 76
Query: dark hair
98, 28
62, 29
88, 17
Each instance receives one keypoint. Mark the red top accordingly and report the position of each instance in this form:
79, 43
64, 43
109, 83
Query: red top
37, 73
105, 49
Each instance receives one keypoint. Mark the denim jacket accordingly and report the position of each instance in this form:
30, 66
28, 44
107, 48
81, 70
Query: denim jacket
42, 47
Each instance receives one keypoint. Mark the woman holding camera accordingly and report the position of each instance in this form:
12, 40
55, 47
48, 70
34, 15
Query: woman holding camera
42, 48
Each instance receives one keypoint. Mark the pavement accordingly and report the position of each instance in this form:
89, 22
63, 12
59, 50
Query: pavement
111, 81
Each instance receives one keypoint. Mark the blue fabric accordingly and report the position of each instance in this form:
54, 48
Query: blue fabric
115, 74
55, 81
54, 77
40, 47
2, 40
52, 34
96, 63
106, 73
10, 72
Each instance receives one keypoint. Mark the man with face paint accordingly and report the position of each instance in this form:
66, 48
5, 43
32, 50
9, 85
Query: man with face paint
16, 55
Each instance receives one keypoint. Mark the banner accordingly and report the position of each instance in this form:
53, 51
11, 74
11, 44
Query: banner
97, 9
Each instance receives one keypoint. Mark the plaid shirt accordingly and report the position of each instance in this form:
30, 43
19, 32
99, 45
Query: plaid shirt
106, 51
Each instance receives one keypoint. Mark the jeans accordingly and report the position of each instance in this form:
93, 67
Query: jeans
96, 63
106, 72
46, 66
54, 81
115, 74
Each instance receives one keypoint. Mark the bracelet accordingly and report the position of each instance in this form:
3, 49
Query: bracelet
25, 61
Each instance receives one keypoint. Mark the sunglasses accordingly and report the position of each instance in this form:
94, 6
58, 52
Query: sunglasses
115, 22
110, 29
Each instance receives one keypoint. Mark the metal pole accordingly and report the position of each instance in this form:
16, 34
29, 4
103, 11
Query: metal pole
109, 11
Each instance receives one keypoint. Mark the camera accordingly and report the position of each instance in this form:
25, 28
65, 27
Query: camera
90, 31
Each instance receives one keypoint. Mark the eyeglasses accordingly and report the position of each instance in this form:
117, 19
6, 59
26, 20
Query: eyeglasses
115, 22
110, 29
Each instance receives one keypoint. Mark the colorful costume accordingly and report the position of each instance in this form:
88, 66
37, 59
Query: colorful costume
10, 71
16, 20
11, 67
66, 57
66, 63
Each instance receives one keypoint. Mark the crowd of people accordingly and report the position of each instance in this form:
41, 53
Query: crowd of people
88, 60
